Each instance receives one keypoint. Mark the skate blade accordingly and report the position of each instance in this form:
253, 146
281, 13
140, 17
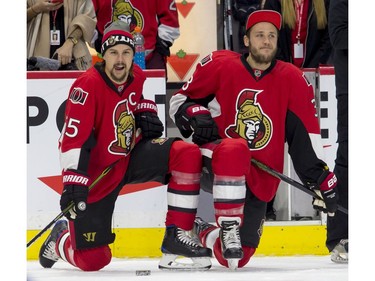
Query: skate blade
340, 258
233, 263
174, 262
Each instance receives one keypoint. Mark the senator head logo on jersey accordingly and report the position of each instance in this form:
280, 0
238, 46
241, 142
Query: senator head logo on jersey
251, 123
124, 130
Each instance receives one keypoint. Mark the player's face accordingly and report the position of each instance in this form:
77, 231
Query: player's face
262, 42
252, 128
118, 61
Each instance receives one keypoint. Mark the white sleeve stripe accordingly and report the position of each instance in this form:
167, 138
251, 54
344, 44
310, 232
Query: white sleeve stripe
174, 103
168, 33
70, 159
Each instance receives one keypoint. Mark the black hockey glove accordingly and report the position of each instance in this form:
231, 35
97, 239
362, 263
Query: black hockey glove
195, 119
76, 191
162, 47
146, 119
326, 190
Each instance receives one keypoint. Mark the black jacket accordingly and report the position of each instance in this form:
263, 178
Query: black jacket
338, 31
318, 46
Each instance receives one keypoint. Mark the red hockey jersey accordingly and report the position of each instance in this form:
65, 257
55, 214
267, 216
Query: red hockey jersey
99, 127
265, 108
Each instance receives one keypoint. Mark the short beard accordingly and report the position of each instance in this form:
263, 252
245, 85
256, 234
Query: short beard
118, 79
261, 59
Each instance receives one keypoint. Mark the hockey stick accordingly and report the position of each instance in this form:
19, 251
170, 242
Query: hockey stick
292, 182
66, 210
230, 25
228, 28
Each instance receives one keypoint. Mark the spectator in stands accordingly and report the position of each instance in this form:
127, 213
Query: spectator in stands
241, 10
59, 29
158, 20
337, 226
304, 39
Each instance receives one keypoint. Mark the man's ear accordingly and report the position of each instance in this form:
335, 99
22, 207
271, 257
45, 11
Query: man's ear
246, 41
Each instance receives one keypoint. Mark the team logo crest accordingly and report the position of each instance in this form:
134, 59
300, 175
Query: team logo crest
251, 123
78, 96
124, 130
125, 11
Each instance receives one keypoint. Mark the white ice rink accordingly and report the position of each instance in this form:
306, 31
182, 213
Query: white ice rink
296, 268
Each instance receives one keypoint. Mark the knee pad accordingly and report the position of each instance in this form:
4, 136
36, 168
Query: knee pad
93, 259
231, 157
185, 157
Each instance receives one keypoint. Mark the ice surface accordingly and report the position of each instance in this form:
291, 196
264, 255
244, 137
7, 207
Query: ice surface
296, 268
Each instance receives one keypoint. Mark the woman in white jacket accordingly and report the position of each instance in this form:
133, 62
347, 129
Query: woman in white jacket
60, 29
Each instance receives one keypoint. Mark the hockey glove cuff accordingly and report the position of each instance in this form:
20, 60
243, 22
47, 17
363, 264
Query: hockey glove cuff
196, 119
146, 118
75, 191
162, 47
328, 192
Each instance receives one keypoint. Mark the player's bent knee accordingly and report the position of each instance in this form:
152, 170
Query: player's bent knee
93, 259
184, 154
231, 157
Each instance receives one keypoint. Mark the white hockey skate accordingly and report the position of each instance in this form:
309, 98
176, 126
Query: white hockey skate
178, 246
340, 254
230, 240
47, 252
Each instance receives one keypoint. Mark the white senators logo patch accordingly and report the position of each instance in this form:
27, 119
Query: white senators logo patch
78, 96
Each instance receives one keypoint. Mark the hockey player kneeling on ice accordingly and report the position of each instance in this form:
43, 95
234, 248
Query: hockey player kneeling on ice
109, 131
238, 107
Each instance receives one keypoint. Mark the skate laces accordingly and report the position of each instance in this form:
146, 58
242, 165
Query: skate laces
184, 238
50, 252
231, 235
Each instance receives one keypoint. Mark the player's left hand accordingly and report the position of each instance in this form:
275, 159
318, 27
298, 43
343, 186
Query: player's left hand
162, 47
328, 192
75, 191
150, 124
146, 119
205, 128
